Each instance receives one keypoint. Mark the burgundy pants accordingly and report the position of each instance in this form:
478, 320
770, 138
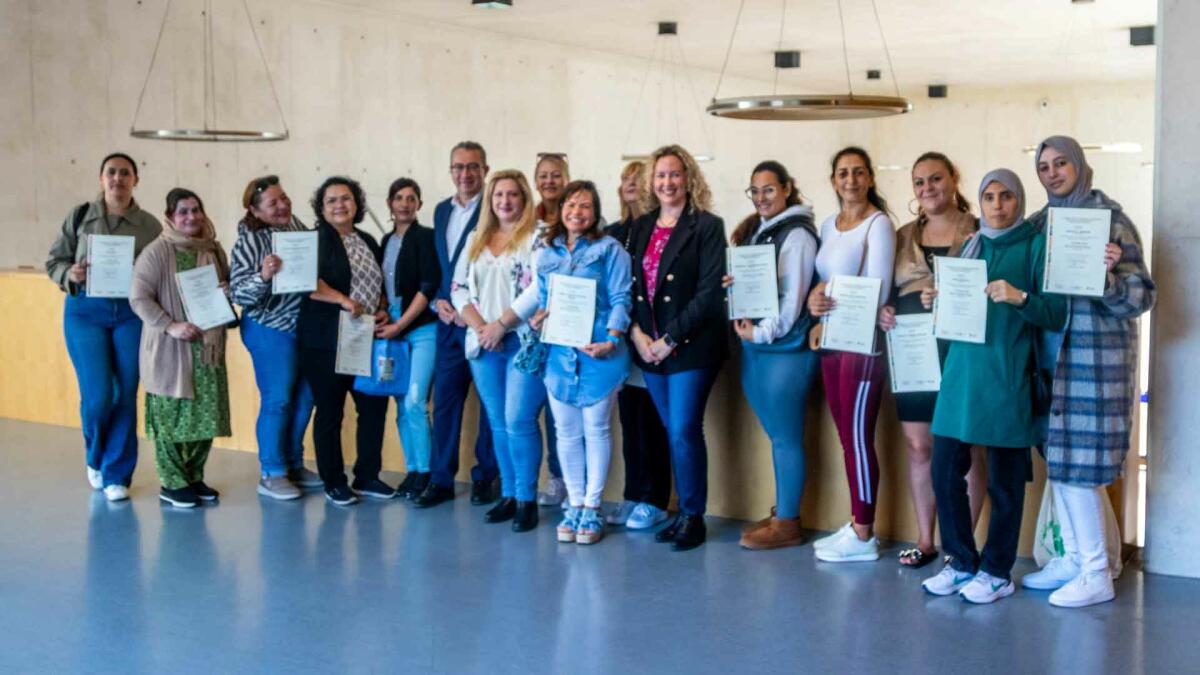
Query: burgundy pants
854, 388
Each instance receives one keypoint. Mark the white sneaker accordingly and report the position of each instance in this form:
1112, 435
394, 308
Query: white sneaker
1088, 588
644, 517
554, 494
1057, 572
947, 582
849, 548
985, 589
94, 478
619, 515
831, 539
116, 493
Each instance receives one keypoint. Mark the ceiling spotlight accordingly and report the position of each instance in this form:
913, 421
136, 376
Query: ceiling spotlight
492, 4
1141, 36
874, 74
937, 91
787, 59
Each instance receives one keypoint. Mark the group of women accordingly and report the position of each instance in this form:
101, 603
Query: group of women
1054, 372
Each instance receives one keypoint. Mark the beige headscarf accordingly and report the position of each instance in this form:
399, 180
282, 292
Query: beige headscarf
208, 252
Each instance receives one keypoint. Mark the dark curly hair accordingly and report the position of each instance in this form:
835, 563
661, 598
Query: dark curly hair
356, 191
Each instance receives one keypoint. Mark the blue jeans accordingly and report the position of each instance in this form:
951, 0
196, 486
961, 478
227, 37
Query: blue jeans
512, 400
451, 383
103, 338
412, 410
285, 400
776, 385
680, 399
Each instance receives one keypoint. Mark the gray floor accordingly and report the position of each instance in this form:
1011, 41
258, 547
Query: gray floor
252, 585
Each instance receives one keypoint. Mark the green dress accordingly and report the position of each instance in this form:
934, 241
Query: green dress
182, 428
986, 397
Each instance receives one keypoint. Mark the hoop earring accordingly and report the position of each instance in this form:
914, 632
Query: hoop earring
915, 212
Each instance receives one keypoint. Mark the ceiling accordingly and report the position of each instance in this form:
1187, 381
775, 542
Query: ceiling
955, 42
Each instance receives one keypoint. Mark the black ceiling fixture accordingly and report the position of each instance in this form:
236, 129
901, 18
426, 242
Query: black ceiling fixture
937, 91
668, 28
787, 59
1141, 36
874, 74
492, 4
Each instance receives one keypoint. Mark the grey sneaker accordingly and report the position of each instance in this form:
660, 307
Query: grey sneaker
278, 487
554, 494
304, 478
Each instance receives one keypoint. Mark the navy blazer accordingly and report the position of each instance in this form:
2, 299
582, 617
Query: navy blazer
317, 325
447, 259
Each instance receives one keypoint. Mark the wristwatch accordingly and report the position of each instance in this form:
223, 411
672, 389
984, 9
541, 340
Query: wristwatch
669, 341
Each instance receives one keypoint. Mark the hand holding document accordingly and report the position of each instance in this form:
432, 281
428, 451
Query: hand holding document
298, 251
755, 290
356, 337
850, 327
110, 265
960, 308
1075, 241
204, 300
570, 311
913, 355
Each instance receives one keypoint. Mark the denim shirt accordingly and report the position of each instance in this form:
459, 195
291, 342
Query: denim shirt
572, 376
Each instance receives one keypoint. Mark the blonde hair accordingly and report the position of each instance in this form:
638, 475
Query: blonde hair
561, 161
634, 167
699, 196
489, 223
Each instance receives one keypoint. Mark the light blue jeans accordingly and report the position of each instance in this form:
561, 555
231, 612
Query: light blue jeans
512, 401
285, 401
777, 385
412, 410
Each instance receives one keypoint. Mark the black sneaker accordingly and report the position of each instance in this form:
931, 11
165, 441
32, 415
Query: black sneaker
420, 482
374, 488
204, 492
485, 491
341, 495
184, 497
404, 489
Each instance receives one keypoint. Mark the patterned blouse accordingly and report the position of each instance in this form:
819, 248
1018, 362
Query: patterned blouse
653, 256
366, 279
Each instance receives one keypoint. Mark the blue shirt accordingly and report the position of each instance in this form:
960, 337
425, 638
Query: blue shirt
390, 254
572, 376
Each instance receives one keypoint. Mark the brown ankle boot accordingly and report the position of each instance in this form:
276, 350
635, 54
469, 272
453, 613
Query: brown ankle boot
759, 524
778, 533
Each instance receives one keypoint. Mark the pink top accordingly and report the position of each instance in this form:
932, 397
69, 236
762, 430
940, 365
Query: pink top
650, 261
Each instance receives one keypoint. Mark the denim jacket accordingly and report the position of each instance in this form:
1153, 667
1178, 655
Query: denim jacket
572, 376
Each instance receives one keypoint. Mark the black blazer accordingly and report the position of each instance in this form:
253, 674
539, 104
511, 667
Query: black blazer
689, 304
417, 271
317, 325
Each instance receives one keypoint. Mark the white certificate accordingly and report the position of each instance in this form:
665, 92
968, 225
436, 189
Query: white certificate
356, 336
913, 355
298, 251
850, 327
570, 311
1075, 241
204, 300
960, 308
755, 290
110, 265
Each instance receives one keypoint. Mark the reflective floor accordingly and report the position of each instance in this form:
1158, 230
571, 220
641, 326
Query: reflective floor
252, 585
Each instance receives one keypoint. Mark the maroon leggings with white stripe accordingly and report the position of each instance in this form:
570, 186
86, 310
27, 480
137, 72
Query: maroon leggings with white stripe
854, 388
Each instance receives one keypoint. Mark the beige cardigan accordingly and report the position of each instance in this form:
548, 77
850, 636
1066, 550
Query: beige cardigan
165, 362
912, 273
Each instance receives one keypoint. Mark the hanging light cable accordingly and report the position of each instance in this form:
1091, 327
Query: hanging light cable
809, 106
666, 64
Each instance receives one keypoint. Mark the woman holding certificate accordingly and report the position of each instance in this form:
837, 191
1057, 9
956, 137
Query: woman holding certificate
857, 247
943, 225
643, 438
349, 285
182, 364
101, 331
777, 365
679, 332
582, 382
411, 276
988, 397
1094, 363
495, 293
268, 330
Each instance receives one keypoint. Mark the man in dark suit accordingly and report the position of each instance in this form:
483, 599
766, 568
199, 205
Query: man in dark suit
453, 220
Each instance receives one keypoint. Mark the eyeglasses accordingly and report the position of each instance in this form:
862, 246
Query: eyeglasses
265, 182
473, 167
766, 193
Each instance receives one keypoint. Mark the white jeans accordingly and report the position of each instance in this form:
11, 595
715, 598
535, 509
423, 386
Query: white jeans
1080, 511
584, 448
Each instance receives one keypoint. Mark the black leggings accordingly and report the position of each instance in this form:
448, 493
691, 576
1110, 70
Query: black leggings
329, 391
644, 446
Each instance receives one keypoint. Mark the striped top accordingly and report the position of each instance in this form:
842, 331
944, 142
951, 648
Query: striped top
247, 285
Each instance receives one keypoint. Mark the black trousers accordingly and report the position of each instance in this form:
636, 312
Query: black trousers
1008, 471
329, 391
645, 448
